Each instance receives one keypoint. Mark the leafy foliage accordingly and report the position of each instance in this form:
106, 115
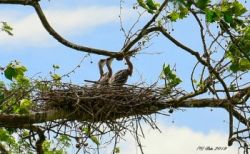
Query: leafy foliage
227, 14
47, 147
93, 138
150, 5
171, 79
15, 72
235, 52
202, 4
230, 12
180, 10
25, 105
55, 76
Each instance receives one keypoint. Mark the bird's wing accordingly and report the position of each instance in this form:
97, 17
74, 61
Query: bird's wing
119, 77
104, 79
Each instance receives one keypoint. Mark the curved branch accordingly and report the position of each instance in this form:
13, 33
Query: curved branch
194, 53
58, 37
144, 29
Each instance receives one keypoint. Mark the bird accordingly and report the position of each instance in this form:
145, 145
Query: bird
108, 64
121, 77
101, 64
104, 77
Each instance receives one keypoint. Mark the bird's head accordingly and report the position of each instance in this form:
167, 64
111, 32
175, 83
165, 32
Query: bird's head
109, 60
102, 62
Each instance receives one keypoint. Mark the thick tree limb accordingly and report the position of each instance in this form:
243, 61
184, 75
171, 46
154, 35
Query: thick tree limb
16, 120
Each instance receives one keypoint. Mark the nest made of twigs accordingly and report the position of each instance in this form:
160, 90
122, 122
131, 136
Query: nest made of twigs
102, 102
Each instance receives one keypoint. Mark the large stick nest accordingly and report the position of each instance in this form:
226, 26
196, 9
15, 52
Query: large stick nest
104, 102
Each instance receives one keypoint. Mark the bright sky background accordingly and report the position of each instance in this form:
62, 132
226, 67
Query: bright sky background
96, 23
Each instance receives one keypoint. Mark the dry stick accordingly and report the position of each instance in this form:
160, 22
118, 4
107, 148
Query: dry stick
144, 29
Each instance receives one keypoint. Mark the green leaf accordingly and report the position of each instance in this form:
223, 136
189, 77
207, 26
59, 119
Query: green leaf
165, 71
2, 85
2, 91
25, 105
211, 16
65, 140
117, 150
56, 66
202, 4
5, 136
1, 97
7, 28
240, 53
95, 140
238, 9
244, 64
86, 130
56, 77
183, 12
228, 18
10, 72
234, 67
152, 5
224, 7
23, 81
142, 4
14, 70
20, 69
174, 16
46, 145
168, 75
25, 133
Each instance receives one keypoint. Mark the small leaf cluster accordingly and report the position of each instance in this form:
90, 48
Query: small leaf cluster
15, 72
238, 51
229, 12
93, 138
150, 5
16, 98
48, 149
55, 76
10, 143
169, 76
180, 10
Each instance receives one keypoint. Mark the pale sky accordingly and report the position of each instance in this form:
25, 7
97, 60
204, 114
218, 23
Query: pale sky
96, 23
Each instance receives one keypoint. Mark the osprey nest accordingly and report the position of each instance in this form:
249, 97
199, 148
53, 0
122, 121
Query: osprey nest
104, 102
